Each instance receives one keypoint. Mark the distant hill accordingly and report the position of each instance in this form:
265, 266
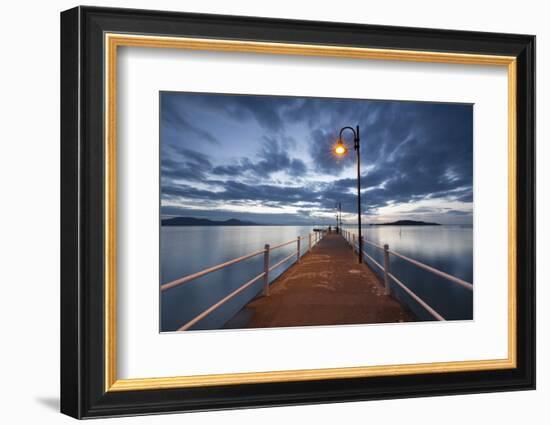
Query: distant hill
192, 221
406, 223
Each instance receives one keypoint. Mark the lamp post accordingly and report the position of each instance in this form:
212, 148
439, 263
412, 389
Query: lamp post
339, 216
340, 210
341, 149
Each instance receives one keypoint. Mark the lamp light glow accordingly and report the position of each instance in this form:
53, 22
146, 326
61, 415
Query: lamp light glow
340, 148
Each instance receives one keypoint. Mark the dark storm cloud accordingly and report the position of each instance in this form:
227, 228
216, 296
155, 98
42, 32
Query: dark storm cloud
320, 150
237, 193
459, 213
272, 158
465, 195
265, 110
241, 192
414, 150
407, 138
268, 111
410, 151
308, 110
182, 163
175, 117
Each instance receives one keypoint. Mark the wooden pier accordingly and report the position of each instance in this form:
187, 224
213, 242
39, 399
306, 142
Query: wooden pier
327, 286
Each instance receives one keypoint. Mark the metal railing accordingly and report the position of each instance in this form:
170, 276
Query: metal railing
313, 239
351, 238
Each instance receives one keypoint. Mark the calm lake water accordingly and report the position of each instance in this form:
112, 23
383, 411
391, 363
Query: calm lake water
447, 248
189, 249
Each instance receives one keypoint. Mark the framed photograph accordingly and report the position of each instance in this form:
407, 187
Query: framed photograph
261, 212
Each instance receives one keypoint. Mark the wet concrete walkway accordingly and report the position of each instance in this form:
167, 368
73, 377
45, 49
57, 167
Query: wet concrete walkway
327, 287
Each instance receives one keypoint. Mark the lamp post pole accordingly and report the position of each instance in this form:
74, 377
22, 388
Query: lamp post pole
340, 210
356, 147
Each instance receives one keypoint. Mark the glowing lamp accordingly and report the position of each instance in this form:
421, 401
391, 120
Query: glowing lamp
339, 148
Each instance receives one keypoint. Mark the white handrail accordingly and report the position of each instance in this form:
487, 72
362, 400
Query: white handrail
417, 298
220, 303
433, 270
274, 266
265, 273
426, 267
194, 276
381, 267
380, 247
284, 244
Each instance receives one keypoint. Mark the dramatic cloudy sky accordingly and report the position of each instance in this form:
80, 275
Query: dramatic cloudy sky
268, 159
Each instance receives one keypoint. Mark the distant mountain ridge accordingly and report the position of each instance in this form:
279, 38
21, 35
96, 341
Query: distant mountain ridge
193, 221
406, 223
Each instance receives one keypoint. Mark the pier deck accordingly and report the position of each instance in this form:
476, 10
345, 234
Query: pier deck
327, 287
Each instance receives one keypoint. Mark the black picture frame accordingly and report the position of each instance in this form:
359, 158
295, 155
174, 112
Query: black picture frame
83, 392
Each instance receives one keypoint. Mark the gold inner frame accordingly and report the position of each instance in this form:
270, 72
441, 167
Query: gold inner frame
113, 41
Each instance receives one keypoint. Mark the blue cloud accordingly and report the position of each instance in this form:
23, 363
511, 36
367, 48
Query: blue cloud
276, 151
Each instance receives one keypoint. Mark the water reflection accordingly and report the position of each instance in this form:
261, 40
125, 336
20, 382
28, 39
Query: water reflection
189, 249
447, 248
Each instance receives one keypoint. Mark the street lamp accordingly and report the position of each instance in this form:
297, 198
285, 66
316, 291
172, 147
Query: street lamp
340, 149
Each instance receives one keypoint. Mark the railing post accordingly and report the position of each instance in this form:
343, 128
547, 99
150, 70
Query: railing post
298, 249
386, 269
309, 241
266, 270
353, 243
